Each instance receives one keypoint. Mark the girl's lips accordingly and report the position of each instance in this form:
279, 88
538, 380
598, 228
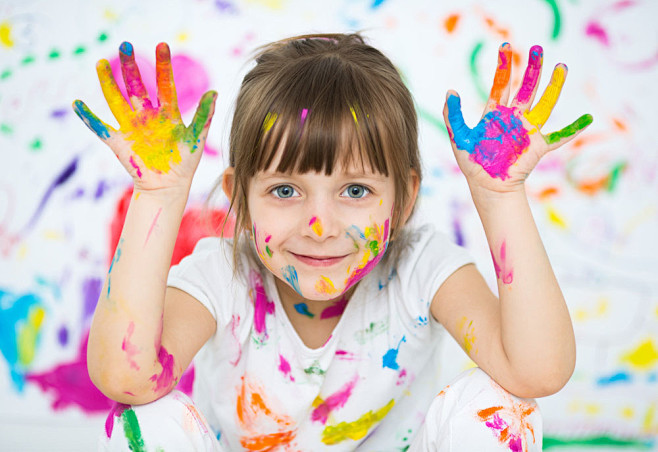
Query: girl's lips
319, 261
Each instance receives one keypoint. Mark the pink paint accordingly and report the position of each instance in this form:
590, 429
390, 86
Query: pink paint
596, 31
155, 220
498, 426
336, 400
71, 385
235, 322
335, 310
505, 274
344, 354
186, 382
262, 305
532, 73
284, 367
303, 116
268, 238
134, 165
116, 411
130, 349
165, 380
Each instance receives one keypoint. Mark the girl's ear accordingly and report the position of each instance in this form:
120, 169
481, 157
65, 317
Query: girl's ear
228, 182
412, 188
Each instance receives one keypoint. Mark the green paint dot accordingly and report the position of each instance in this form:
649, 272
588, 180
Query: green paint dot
6, 129
79, 50
28, 59
36, 144
5, 74
102, 37
54, 54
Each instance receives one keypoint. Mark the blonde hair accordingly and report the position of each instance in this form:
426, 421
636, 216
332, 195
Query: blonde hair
323, 99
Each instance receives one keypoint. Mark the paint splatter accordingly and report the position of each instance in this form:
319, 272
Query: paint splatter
324, 407
290, 275
335, 310
284, 367
369, 333
130, 348
468, 334
262, 305
376, 243
643, 357
316, 225
325, 285
504, 270
450, 22
334, 434
389, 360
166, 379
302, 308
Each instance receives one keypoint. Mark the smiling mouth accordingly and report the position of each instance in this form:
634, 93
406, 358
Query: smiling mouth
319, 261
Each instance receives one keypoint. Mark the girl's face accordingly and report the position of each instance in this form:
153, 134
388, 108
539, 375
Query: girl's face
321, 234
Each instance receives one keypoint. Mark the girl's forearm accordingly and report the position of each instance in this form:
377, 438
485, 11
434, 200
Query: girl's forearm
124, 341
536, 330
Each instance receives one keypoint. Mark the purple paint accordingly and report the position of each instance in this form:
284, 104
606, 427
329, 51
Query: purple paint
100, 189
91, 290
63, 336
59, 113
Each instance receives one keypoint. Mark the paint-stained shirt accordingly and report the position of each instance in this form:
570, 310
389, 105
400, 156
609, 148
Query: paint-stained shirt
368, 387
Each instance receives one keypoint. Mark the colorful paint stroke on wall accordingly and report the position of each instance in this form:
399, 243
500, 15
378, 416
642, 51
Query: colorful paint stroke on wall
63, 197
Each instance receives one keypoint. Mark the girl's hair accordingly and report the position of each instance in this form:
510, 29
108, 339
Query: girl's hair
323, 99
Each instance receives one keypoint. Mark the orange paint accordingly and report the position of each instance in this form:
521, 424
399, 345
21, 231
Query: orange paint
450, 23
502, 76
621, 125
548, 192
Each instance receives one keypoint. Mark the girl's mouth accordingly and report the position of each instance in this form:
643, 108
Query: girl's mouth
319, 261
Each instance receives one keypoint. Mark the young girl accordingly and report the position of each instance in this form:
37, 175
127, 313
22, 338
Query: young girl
317, 327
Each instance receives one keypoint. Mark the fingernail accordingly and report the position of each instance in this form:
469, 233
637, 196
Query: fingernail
126, 48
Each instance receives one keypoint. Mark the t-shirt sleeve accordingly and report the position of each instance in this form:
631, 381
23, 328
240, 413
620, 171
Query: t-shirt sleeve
207, 275
428, 260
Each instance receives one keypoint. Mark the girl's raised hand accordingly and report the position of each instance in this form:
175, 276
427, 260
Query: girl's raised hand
152, 143
499, 153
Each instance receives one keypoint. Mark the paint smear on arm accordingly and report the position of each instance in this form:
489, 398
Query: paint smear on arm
503, 268
130, 348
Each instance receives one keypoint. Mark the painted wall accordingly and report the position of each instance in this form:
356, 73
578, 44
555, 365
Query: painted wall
596, 200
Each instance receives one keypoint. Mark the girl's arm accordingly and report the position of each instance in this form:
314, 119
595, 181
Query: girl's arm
525, 341
135, 354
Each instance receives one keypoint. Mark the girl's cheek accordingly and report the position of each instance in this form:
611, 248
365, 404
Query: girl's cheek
262, 241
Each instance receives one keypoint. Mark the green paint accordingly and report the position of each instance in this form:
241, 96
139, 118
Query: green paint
578, 125
102, 37
36, 144
314, 370
54, 54
27, 60
482, 92
5, 74
79, 50
557, 21
614, 176
132, 431
432, 120
596, 441
6, 129
268, 250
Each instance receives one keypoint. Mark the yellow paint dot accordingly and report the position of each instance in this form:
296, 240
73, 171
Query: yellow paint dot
182, 37
555, 218
5, 34
644, 357
592, 409
627, 412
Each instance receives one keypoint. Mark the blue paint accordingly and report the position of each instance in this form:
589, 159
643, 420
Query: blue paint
359, 233
126, 48
391, 356
115, 259
619, 377
391, 275
465, 138
377, 3
290, 274
91, 120
302, 308
14, 311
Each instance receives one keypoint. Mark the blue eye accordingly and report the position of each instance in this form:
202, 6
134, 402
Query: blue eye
284, 191
356, 191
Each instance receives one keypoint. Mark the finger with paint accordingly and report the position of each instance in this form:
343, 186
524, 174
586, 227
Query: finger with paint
165, 81
132, 79
500, 88
93, 122
526, 94
539, 114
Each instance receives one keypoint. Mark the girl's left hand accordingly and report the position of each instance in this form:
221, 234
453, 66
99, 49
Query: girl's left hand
506, 145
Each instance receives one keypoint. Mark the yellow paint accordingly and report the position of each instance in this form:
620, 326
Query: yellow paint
5, 34
555, 218
52, 234
356, 121
271, 4
644, 357
27, 334
137, 195
381, 201
650, 421
333, 434
540, 113
325, 285
628, 412
270, 119
22, 251
183, 37
110, 15
599, 311
468, 334
592, 409
316, 226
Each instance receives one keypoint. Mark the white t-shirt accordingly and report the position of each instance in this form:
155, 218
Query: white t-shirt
368, 386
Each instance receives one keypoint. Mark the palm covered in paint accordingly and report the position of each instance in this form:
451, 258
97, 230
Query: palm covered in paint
506, 145
152, 143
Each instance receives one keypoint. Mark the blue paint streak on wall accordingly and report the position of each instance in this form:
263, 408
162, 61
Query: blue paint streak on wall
619, 377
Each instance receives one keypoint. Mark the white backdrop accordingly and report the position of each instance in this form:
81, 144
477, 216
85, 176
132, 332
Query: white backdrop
595, 201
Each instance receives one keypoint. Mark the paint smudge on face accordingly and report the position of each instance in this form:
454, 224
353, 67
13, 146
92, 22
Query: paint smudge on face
495, 143
335, 310
166, 379
468, 334
503, 268
262, 305
325, 286
390, 357
316, 225
253, 411
531, 76
338, 399
334, 434
21, 319
284, 367
130, 349
376, 243
302, 308
290, 275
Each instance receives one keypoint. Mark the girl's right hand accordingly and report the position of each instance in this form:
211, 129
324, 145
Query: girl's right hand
152, 143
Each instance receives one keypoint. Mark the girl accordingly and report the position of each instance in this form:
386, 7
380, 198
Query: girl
316, 327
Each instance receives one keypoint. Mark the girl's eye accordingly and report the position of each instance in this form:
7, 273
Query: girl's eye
356, 191
284, 191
